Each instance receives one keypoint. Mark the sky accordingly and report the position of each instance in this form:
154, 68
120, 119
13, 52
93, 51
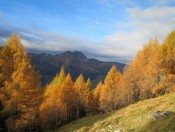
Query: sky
109, 30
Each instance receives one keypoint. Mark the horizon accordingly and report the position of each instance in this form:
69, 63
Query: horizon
108, 30
118, 60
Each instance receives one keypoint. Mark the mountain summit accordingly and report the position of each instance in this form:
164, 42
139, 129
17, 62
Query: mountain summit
74, 56
74, 62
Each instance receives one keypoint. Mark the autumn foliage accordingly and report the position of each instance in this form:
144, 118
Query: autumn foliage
24, 106
20, 92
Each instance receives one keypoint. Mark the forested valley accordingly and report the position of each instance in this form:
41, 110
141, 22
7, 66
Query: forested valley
26, 106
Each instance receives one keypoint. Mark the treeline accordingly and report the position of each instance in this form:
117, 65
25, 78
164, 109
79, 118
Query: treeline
150, 74
26, 107
65, 100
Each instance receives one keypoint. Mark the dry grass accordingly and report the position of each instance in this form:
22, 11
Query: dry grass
130, 119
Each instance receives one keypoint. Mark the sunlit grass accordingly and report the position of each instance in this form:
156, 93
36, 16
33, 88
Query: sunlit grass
82, 123
130, 119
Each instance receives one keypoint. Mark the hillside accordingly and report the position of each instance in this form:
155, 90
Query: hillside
133, 118
74, 63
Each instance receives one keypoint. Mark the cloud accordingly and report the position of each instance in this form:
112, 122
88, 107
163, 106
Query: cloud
152, 13
141, 26
40, 39
43, 40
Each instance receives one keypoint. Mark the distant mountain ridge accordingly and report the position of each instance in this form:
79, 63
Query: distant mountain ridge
73, 62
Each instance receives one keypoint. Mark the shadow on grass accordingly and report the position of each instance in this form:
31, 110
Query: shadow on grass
163, 124
82, 123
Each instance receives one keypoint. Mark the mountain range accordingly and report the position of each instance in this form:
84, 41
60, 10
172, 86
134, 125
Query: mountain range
74, 63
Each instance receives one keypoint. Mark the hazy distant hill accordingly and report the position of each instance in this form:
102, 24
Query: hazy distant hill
74, 63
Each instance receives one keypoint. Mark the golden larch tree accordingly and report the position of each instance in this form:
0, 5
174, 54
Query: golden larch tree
69, 97
96, 96
88, 97
167, 67
28, 95
109, 96
16, 76
53, 109
79, 86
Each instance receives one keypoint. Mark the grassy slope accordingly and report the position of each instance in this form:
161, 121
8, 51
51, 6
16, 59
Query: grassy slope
130, 119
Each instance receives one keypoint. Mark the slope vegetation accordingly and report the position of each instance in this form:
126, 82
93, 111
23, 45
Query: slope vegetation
133, 118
